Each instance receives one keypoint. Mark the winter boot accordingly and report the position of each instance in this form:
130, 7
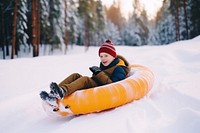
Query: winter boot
58, 92
49, 98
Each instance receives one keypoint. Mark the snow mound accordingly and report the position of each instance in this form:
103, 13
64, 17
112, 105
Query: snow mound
172, 106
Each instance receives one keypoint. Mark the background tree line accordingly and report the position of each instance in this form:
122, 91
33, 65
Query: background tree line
26, 25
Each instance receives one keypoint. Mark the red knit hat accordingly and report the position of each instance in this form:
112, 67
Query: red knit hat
108, 47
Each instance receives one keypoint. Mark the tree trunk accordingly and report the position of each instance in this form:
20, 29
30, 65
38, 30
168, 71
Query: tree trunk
86, 39
186, 19
38, 26
2, 30
177, 21
14, 29
66, 33
34, 28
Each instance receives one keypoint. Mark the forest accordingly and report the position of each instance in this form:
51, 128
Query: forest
26, 26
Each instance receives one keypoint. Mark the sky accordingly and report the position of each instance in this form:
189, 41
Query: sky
171, 106
151, 6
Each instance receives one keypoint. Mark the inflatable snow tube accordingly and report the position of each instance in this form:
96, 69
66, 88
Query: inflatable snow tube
135, 86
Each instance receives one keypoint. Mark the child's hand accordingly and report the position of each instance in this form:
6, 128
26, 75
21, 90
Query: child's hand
95, 70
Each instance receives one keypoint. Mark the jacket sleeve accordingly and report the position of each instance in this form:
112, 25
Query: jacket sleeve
118, 74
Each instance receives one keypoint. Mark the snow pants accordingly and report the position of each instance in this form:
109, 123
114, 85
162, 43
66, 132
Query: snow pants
77, 82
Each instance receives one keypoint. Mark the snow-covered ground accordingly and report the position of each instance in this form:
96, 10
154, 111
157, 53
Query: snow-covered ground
172, 106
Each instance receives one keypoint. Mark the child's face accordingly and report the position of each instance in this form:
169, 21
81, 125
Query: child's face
106, 58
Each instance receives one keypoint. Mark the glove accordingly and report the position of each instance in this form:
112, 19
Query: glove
95, 70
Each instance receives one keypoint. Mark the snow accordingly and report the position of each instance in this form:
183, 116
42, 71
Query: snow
172, 106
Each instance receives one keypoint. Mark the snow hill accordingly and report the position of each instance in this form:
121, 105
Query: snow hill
172, 106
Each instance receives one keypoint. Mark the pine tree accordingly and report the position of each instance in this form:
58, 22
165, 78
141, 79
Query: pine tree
2, 33
188, 9
174, 9
165, 24
87, 12
14, 30
183, 20
137, 30
72, 21
185, 4
45, 24
35, 27
22, 20
56, 21
112, 32
99, 28
180, 10
114, 14
130, 32
6, 26
195, 18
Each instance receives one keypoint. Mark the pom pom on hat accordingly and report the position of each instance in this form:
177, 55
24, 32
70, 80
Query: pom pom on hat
108, 47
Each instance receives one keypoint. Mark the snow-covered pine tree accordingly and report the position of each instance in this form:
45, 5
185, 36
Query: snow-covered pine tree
22, 35
57, 22
85, 14
138, 26
99, 29
183, 20
52, 23
164, 32
72, 21
112, 32
14, 51
130, 32
88, 18
188, 9
45, 23
195, 18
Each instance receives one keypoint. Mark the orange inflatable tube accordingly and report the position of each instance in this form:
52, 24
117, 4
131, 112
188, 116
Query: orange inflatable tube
134, 87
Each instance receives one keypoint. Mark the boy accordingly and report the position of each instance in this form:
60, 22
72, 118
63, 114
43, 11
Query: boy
112, 68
